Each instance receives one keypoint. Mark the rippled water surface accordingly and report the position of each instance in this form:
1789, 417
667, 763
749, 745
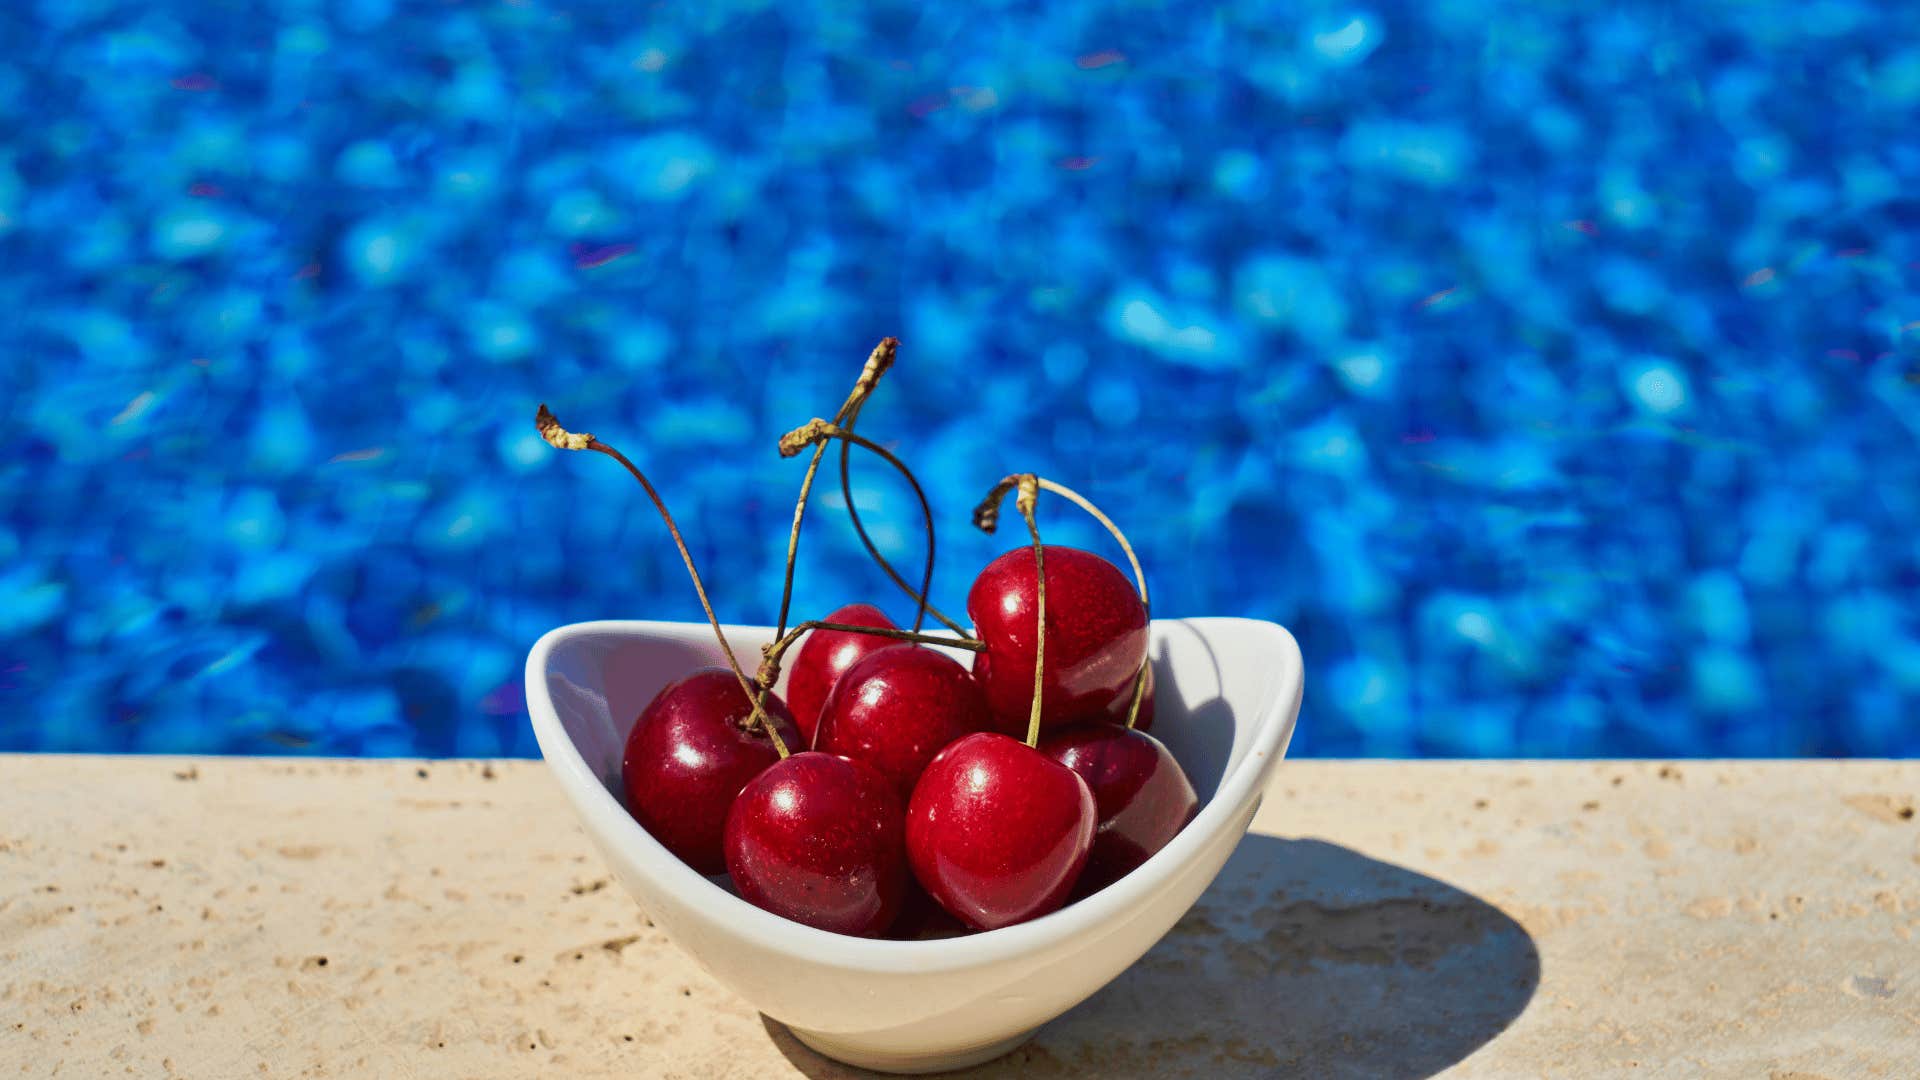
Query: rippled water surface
1555, 375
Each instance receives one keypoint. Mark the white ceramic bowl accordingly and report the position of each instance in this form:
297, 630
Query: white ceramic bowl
1227, 693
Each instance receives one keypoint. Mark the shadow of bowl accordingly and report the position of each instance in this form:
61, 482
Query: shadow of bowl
1303, 958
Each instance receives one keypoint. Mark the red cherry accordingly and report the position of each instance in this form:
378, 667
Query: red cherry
1096, 637
692, 750
1142, 794
897, 708
998, 832
824, 655
820, 839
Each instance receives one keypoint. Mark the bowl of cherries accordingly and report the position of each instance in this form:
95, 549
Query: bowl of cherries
914, 847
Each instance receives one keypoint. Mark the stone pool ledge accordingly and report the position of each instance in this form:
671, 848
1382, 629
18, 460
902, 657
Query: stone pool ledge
248, 917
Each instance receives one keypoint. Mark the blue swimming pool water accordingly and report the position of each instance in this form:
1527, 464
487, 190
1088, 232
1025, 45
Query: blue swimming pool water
1555, 375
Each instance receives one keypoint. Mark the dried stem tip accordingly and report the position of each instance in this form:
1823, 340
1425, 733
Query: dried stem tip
559, 437
986, 516
877, 364
813, 431
1028, 495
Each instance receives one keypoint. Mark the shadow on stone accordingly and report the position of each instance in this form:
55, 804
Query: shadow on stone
1304, 959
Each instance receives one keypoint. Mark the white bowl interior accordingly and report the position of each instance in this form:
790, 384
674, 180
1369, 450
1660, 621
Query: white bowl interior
599, 685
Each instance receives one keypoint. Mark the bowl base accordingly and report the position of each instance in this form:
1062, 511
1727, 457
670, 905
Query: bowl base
851, 1052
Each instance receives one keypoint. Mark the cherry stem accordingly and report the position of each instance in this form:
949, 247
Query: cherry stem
922, 605
1025, 500
877, 364
1139, 577
817, 432
562, 439
987, 517
775, 651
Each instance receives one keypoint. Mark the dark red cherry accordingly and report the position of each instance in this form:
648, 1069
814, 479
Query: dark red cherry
824, 655
1142, 795
692, 750
922, 918
897, 708
820, 839
1096, 637
998, 832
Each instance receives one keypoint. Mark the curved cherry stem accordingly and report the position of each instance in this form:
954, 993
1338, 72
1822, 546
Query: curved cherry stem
562, 439
877, 364
987, 517
775, 651
818, 432
1139, 578
922, 605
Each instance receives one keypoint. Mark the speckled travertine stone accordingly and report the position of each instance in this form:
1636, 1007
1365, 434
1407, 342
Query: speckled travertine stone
227, 917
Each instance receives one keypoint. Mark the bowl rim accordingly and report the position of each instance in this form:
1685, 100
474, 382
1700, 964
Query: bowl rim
608, 817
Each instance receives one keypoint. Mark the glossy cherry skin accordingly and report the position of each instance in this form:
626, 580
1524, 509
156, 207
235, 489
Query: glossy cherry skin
1096, 637
692, 750
821, 839
1117, 711
897, 708
824, 655
1142, 795
998, 832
